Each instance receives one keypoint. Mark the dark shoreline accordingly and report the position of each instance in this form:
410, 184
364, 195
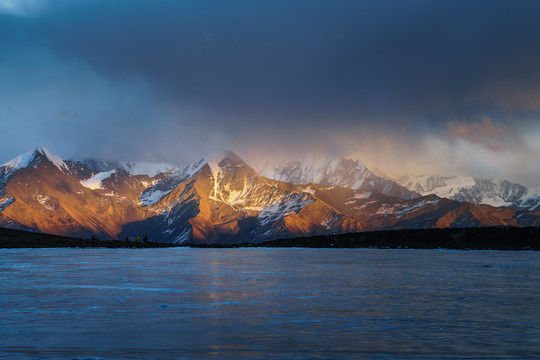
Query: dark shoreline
11, 239
488, 238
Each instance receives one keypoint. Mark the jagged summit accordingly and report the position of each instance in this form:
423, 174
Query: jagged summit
494, 192
335, 171
223, 159
218, 163
32, 158
225, 164
311, 169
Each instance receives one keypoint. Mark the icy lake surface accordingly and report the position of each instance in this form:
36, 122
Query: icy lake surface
268, 303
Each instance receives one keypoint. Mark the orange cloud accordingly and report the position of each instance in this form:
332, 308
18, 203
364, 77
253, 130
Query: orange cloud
485, 132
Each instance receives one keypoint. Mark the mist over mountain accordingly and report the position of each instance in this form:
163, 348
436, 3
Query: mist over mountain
336, 171
409, 88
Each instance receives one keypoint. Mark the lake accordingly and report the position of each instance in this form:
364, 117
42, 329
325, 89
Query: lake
262, 303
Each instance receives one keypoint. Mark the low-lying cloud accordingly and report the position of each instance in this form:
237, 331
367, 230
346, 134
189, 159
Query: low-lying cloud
417, 87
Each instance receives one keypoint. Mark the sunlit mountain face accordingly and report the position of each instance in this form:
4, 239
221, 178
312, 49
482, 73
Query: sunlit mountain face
221, 199
344, 116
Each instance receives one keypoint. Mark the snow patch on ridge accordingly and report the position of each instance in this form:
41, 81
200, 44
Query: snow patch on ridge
95, 182
365, 195
415, 207
152, 196
46, 202
283, 208
308, 189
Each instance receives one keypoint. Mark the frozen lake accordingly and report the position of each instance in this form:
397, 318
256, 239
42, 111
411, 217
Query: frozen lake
268, 303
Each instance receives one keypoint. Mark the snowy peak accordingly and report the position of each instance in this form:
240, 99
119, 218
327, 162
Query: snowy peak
218, 163
531, 203
443, 186
327, 171
494, 192
32, 159
333, 171
223, 160
233, 181
54, 159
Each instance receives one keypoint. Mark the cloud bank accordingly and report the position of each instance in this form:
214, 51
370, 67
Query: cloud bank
451, 86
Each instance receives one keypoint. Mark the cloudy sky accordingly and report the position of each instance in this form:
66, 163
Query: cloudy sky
405, 86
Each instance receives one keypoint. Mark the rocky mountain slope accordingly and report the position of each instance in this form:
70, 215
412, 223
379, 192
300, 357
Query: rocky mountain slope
43, 193
218, 199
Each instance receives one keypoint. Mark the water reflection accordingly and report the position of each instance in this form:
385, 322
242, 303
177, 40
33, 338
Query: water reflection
268, 303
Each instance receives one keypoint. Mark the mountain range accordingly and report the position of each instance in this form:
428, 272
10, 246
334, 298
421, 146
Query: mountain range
336, 172
221, 199
495, 192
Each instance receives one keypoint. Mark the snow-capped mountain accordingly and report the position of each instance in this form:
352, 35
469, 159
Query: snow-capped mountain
529, 202
225, 200
336, 172
32, 159
494, 192
218, 199
40, 191
169, 182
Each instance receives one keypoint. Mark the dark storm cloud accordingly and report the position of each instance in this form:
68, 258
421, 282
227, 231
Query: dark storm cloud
350, 60
196, 74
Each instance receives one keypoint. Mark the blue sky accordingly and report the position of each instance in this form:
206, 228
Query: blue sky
406, 86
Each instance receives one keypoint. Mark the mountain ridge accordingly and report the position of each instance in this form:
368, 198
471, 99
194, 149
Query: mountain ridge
335, 171
219, 199
490, 191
